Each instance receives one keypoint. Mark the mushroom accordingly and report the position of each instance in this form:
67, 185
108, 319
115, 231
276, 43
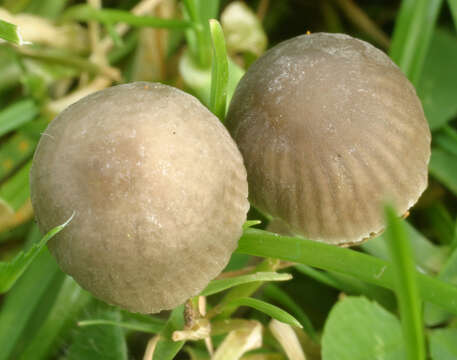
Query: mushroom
158, 189
329, 128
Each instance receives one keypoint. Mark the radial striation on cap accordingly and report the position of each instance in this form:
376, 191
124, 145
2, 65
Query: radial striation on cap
158, 188
330, 128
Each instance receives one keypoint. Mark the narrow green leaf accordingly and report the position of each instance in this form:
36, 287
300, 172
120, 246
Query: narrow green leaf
278, 295
435, 315
350, 285
217, 286
405, 285
10, 33
446, 139
270, 310
442, 344
85, 12
246, 290
16, 115
151, 328
15, 192
358, 329
14, 151
219, 77
20, 304
12, 270
251, 223
443, 166
333, 258
166, 348
453, 8
428, 256
412, 35
98, 342
438, 82
70, 301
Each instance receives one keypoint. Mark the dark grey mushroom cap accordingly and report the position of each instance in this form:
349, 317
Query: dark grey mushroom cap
329, 128
158, 188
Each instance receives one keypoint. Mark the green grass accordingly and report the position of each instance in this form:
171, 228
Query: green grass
401, 286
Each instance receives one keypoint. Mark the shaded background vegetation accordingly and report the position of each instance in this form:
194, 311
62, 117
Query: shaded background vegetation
39, 315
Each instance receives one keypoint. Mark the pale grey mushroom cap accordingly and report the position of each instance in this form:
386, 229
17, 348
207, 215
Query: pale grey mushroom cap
330, 128
158, 188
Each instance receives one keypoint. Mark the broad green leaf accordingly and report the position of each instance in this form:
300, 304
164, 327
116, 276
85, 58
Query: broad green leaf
11, 271
273, 292
438, 83
70, 300
332, 258
166, 348
16, 115
358, 329
217, 286
442, 344
96, 342
405, 285
110, 16
443, 166
412, 35
10, 33
269, 309
220, 72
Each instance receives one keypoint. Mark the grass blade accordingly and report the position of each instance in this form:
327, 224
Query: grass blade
10, 33
150, 328
111, 16
219, 77
70, 301
412, 35
16, 115
14, 151
110, 341
216, 286
453, 8
332, 258
266, 308
15, 192
405, 285
12, 270
443, 166
166, 348
21, 303
278, 295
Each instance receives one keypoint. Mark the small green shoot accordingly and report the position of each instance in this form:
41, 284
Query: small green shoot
220, 71
217, 286
11, 271
10, 32
270, 310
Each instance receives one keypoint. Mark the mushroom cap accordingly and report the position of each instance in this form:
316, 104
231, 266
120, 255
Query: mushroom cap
158, 188
329, 128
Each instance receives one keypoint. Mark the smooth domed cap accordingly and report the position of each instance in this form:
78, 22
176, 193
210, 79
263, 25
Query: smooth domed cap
329, 128
158, 188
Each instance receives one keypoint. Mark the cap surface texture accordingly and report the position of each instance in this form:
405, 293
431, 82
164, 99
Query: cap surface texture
330, 128
158, 189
